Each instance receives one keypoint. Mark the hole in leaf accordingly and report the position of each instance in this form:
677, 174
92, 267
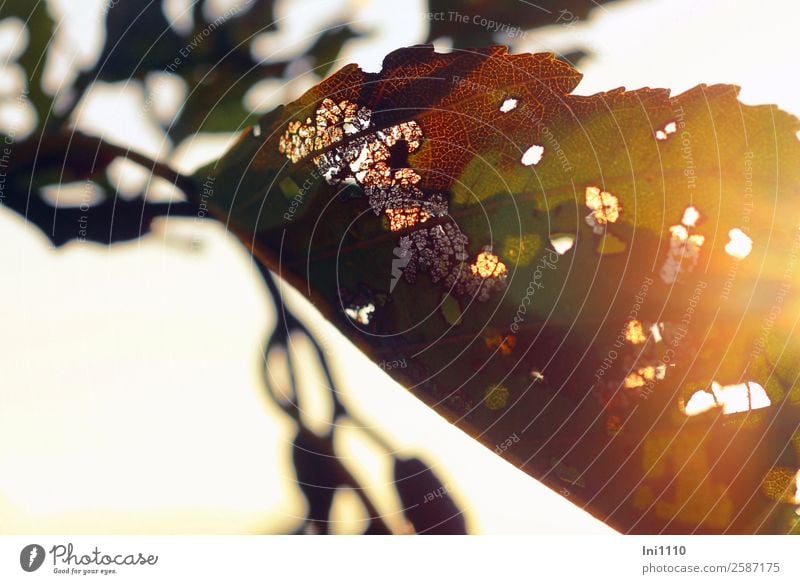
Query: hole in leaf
562, 243
257, 130
740, 245
634, 333
536, 375
360, 314
733, 399
655, 330
668, 129
406, 217
690, 216
377, 162
700, 402
488, 265
533, 155
684, 252
643, 375
508, 105
605, 209
441, 250
331, 122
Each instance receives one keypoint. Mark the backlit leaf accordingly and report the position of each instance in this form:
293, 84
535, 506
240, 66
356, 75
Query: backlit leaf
385, 197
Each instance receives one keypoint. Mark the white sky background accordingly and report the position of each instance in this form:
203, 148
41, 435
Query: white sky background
130, 398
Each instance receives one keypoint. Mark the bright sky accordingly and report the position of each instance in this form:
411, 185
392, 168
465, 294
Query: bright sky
129, 394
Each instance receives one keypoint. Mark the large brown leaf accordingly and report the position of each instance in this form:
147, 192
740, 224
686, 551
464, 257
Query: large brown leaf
424, 210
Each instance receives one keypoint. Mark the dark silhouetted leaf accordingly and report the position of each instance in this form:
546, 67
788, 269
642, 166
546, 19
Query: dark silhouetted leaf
318, 476
426, 500
139, 39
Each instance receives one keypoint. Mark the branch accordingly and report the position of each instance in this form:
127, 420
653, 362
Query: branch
80, 156
76, 156
319, 451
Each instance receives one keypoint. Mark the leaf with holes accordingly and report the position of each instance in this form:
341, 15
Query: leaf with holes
602, 289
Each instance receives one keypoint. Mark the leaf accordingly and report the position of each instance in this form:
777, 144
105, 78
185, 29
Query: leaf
139, 39
318, 477
427, 503
214, 58
225, 71
448, 176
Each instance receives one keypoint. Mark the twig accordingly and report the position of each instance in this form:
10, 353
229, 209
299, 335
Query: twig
78, 156
72, 152
286, 324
